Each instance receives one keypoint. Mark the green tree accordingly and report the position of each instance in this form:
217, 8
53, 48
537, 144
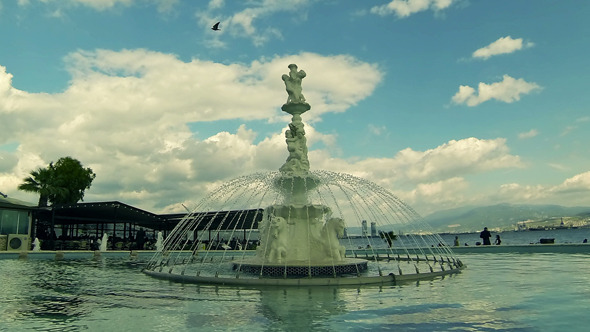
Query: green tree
61, 183
69, 174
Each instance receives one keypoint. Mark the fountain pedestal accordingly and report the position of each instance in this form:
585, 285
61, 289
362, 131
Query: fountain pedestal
297, 237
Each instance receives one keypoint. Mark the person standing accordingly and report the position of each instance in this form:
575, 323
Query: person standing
498, 241
485, 235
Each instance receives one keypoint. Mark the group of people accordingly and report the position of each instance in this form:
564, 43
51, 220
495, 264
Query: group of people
485, 235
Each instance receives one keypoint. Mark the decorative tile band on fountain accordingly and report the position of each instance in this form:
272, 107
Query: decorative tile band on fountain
347, 266
300, 229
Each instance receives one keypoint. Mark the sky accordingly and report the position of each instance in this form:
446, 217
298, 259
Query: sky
446, 103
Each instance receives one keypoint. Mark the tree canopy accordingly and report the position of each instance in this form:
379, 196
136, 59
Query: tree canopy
61, 183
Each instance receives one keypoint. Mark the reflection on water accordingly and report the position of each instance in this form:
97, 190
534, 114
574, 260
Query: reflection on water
497, 292
302, 309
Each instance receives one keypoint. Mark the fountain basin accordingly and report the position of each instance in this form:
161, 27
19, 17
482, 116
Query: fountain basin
352, 266
385, 279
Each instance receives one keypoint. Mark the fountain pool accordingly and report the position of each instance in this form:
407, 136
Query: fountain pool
498, 292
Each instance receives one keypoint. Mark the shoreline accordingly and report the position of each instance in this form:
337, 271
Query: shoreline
569, 248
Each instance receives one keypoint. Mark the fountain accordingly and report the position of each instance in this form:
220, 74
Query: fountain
159, 242
297, 220
36, 245
104, 242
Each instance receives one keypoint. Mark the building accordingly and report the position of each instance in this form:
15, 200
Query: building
79, 226
15, 224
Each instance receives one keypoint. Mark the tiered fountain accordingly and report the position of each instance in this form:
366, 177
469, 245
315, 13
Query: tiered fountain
298, 219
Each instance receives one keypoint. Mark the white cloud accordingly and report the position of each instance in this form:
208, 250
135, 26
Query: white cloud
576, 184
446, 193
101, 5
529, 134
242, 24
433, 179
503, 45
405, 8
572, 128
450, 160
457, 158
508, 91
125, 115
214, 4
517, 193
377, 130
558, 167
571, 192
568, 130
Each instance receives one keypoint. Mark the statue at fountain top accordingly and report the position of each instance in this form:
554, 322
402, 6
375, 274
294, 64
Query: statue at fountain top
297, 161
296, 104
293, 84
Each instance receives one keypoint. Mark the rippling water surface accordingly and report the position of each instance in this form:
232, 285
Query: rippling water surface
497, 292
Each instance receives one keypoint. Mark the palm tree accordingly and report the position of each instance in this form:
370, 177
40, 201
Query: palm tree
41, 181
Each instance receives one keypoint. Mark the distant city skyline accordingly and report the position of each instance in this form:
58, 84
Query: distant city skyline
445, 103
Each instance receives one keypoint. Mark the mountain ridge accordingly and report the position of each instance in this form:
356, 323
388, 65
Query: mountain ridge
499, 216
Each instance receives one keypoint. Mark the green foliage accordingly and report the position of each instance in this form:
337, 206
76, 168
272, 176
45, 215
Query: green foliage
388, 236
39, 182
61, 183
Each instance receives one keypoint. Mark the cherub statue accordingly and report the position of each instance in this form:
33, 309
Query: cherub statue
293, 84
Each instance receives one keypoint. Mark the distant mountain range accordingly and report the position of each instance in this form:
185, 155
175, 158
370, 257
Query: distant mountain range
501, 216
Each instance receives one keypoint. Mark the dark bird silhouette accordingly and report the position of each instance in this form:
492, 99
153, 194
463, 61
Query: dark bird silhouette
216, 26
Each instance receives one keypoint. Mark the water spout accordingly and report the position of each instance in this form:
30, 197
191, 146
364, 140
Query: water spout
104, 242
36, 245
159, 242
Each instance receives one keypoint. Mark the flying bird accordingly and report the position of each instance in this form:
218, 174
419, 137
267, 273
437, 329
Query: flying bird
216, 26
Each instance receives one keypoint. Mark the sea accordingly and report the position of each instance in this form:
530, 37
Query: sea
559, 236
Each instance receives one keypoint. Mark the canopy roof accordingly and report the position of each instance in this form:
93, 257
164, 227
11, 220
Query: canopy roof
103, 212
115, 212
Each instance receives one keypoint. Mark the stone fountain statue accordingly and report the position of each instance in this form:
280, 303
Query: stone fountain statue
293, 85
297, 161
299, 236
297, 231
